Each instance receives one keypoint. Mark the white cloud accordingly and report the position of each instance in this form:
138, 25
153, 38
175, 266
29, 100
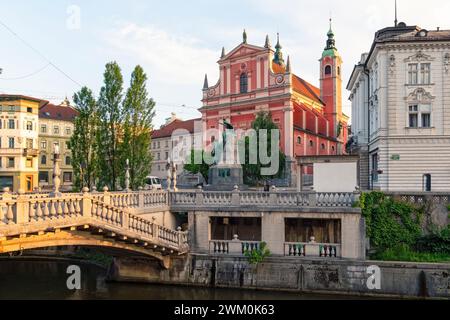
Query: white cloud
177, 59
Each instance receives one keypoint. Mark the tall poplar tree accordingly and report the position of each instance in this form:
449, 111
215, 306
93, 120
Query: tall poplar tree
139, 112
83, 143
110, 127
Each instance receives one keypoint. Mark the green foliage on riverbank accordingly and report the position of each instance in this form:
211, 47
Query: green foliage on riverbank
257, 256
395, 231
405, 253
390, 222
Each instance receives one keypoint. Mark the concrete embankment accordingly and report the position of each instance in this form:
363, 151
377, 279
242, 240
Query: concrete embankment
346, 277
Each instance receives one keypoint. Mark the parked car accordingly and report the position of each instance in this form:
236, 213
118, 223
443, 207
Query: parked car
153, 183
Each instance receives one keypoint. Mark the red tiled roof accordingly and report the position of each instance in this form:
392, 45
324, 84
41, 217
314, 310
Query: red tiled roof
166, 131
301, 86
54, 112
305, 88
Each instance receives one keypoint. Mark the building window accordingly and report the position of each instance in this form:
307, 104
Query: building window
68, 131
311, 143
375, 167
427, 182
167, 143
43, 128
244, 83
419, 116
413, 76
44, 160
425, 73
68, 145
1, 162
299, 140
30, 110
413, 116
332, 148
11, 163
11, 143
11, 124
68, 161
159, 144
67, 177
166, 156
327, 70
426, 120
55, 130
323, 146
44, 145
6, 182
29, 126
43, 176
29, 163
159, 156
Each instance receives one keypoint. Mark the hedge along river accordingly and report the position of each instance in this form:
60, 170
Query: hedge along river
46, 279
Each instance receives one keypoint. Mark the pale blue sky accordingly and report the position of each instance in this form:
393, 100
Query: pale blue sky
177, 42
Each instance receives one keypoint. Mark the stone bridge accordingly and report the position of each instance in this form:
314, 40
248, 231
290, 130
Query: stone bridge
30, 221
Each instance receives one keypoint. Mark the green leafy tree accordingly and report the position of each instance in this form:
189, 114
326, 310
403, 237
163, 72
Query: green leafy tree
110, 126
253, 172
83, 143
195, 168
138, 110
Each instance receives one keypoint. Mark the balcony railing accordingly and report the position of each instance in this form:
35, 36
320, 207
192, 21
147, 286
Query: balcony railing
30, 152
281, 199
313, 250
232, 247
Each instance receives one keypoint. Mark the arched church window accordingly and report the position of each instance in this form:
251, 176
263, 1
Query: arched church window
244, 83
327, 70
339, 71
299, 140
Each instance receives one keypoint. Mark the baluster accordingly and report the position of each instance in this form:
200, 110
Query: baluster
32, 212
46, 211
72, 207
77, 206
39, 210
59, 210
321, 251
9, 214
104, 212
52, 209
99, 210
110, 215
66, 208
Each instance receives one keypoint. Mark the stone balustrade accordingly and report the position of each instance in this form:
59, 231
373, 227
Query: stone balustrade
24, 212
232, 247
421, 198
312, 250
257, 199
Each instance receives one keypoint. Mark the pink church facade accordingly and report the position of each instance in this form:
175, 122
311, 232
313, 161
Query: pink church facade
254, 78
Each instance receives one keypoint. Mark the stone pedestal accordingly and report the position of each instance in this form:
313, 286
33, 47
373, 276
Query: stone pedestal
224, 177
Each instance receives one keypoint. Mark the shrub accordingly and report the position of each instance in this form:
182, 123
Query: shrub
403, 252
390, 223
436, 242
256, 256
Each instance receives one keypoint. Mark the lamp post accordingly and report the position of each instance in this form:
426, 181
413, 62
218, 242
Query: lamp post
56, 171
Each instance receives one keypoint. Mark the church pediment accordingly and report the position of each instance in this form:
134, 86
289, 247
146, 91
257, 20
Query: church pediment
419, 57
420, 95
243, 50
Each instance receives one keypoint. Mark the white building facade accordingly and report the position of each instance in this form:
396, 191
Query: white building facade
400, 94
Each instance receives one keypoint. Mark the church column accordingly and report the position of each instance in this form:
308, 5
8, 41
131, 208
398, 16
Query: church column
289, 130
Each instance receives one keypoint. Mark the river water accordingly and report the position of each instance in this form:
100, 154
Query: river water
45, 279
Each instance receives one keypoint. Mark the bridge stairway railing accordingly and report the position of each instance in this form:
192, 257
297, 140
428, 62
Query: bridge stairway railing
24, 213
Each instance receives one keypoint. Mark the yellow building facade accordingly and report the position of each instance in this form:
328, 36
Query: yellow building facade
19, 121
